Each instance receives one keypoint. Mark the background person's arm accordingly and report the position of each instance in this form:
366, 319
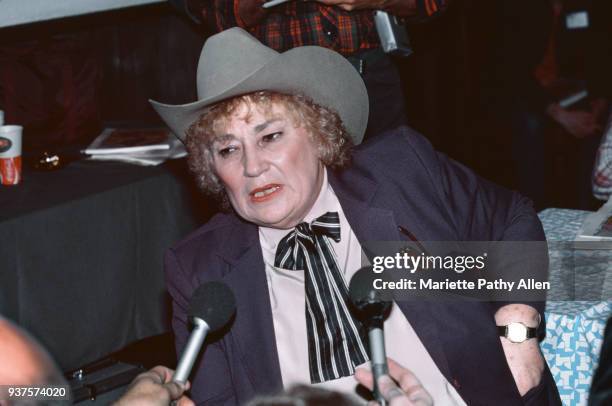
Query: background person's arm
219, 15
400, 8
602, 176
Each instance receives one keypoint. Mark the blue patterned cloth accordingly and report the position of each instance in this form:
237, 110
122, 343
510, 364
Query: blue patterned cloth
574, 329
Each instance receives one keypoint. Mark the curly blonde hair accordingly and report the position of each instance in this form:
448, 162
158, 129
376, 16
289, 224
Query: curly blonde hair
332, 140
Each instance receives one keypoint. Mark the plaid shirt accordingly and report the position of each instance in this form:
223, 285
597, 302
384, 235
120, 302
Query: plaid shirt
602, 176
297, 23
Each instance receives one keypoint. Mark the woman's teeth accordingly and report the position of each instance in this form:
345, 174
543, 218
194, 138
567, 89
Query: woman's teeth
265, 192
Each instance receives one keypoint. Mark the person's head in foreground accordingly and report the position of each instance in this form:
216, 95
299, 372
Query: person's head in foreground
25, 362
263, 130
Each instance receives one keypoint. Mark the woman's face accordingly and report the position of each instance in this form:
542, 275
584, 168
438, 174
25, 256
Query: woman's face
269, 167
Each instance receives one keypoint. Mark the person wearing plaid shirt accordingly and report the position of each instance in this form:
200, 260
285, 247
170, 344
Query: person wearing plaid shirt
602, 175
346, 26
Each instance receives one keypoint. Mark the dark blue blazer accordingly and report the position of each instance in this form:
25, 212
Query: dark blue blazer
395, 180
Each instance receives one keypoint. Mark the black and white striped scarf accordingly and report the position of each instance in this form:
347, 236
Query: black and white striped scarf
335, 338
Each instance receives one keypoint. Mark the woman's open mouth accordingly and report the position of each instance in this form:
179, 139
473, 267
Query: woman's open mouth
264, 193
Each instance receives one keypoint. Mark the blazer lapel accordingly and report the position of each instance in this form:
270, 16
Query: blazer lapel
253, 329
378, 224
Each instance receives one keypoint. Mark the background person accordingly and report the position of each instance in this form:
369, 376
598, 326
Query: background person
345, 26
544, 52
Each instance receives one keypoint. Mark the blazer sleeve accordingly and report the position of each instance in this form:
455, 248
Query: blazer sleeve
211, 385
483, 211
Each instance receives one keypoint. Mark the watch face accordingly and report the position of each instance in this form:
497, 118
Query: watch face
517, 332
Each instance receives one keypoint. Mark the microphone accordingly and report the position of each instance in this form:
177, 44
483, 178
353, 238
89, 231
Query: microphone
372, 311
211, 307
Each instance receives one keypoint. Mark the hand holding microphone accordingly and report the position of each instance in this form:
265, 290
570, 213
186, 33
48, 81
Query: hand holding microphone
155, 388
372, 309
211, 307
400, 388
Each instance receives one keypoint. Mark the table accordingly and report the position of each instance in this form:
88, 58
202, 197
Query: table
582, 302
82, 254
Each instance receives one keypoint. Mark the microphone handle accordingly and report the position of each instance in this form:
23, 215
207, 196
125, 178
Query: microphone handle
378, 354
191, 351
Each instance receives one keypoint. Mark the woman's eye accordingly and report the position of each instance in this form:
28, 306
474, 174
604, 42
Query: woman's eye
225, 152
272, 136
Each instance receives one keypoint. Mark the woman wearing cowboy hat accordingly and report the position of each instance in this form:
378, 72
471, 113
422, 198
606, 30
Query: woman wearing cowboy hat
271, 138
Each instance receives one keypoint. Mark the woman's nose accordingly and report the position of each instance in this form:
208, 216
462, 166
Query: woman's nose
254, 163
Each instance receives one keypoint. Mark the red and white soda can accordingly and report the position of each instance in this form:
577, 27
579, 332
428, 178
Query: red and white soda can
10, 154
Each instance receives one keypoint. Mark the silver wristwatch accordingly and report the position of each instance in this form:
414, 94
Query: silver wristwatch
517, 332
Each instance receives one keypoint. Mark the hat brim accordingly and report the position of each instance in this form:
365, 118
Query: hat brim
318, 73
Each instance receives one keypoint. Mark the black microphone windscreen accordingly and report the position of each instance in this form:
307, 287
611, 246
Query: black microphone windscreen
366, 299
214, 303
361, 288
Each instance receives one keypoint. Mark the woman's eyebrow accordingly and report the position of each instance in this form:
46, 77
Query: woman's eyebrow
262, 126
223, 138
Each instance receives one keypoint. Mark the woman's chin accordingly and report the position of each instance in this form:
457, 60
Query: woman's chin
274, 218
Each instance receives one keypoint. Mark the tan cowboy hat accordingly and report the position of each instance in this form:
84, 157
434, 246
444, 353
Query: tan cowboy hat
234, 63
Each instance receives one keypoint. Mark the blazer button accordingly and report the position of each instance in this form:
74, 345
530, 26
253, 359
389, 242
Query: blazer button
456, 383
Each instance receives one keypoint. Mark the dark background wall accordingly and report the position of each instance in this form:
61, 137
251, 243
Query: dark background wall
65, 80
